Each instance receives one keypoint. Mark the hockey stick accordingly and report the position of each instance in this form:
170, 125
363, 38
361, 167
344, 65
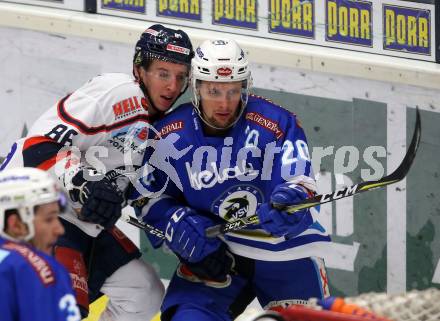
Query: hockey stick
392, 178
143, 226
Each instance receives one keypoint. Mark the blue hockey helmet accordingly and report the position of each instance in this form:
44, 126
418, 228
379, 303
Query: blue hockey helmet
159, 42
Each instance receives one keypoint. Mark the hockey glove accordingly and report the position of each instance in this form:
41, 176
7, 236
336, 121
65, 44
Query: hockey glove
185, 235
214, 268
101, 200
280, 223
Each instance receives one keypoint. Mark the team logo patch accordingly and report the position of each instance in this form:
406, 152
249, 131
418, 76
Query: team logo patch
199, 52
178, 49
129, 139
238, 202
129, 107
224, 71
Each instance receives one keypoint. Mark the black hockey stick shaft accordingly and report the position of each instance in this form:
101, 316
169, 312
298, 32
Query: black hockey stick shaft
392, 178
143, 226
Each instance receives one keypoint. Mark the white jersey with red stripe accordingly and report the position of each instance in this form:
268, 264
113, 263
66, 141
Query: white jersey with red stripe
103, 124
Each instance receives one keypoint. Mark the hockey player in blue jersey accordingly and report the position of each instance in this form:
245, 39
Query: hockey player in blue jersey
226, 156
33, 286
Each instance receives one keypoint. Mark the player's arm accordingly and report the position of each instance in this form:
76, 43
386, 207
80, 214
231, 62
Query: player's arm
86, 114
184, 227
161, 204
291, 182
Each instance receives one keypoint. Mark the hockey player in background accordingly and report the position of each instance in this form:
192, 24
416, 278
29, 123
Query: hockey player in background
33, 285
236, 154
92, 140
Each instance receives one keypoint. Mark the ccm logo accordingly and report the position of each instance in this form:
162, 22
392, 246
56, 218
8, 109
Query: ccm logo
224, 71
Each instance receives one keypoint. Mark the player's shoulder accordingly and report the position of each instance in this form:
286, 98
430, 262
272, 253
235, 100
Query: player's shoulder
178, 120
268, 108
105, 101
30, 263
108, 81
108, 88
263, 112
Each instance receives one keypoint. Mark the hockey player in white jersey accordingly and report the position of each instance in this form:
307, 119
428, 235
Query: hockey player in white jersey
92, 140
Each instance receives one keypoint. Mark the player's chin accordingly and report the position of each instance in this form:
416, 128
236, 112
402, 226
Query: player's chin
224, 124
165, 103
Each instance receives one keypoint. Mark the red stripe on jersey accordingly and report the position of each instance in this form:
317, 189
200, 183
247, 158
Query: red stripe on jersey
90, 130
123, 240
47, 164
36, 140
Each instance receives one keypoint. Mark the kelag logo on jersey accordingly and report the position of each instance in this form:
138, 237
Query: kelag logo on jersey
238, 202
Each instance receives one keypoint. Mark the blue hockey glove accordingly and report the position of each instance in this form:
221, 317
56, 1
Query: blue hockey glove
101, 200
214, 269
185, 235
280, 223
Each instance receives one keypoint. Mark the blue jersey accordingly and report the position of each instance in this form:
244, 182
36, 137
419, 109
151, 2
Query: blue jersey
33, 286
229, 177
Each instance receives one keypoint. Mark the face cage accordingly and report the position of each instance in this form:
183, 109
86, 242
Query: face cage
244, 99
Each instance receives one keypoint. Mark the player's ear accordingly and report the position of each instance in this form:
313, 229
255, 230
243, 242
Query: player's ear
14, 226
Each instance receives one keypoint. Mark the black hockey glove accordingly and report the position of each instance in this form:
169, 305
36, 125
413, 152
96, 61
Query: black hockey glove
215, 267
101, 200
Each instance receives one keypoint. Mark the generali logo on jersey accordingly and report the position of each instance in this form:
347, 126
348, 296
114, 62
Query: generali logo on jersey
38, 263
169, 128
266, 123
129, 107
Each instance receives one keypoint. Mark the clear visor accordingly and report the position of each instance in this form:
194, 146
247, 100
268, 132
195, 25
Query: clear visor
180, 80
218, 92
231, 96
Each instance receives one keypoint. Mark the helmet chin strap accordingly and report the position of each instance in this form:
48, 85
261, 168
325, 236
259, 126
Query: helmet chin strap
144, 89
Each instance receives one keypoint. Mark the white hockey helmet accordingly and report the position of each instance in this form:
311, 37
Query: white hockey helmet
220, 60
21, 189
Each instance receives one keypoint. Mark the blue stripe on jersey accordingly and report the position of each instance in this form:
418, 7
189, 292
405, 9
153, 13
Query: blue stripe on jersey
9, 157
